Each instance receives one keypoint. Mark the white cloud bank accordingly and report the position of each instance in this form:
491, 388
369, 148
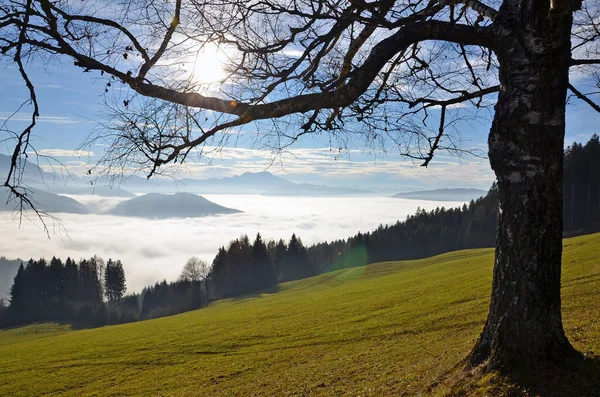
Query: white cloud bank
152, 250
65, 153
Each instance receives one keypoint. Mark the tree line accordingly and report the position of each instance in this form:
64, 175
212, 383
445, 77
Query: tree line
243, 267
581, 194
88, 292
424, 234
91, 292
428, 233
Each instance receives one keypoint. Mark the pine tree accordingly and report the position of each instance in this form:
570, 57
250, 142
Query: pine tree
72, 281
56, 279
295, 262
114, 281
91, 288
261, 264
280, 251
217, 274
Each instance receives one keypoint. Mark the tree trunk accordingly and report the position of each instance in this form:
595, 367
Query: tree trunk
524, 325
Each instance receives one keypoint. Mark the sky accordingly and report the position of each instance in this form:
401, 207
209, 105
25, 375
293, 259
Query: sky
71, 105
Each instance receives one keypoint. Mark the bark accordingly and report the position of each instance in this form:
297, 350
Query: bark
524, 325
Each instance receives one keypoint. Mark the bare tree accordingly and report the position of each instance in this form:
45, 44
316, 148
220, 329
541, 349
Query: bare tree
196, 270
193, 270
393, 73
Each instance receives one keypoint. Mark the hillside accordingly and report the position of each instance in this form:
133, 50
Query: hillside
161, 206
386, 329
44, 201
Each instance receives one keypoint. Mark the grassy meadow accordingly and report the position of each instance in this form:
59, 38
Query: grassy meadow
386, 329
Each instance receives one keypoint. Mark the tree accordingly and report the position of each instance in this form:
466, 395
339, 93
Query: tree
196, 270
90, 286
114, 281
294, 264
279, 255
57, 279
262, 265
378, 68
218, 274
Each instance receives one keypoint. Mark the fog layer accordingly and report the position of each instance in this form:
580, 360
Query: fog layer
153, 250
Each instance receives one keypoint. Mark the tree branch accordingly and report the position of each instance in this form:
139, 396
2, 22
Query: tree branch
584, 98
453, 101
576, 62
480, 8
436, 142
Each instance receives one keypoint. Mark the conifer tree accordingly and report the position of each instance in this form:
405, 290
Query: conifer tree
261, 264
114, 281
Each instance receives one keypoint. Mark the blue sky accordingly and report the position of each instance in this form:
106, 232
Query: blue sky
71, 100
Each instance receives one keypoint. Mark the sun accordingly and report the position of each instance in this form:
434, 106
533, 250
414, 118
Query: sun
209, 64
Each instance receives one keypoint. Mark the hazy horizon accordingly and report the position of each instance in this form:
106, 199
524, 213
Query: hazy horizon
153, 250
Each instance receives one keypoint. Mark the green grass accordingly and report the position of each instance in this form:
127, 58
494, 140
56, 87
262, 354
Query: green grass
386, 329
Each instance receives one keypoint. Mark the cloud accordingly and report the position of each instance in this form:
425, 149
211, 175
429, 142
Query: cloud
65, 153
153, 250
26, 117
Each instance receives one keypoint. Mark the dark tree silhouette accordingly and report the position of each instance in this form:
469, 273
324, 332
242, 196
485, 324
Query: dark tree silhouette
294, 264
67, 292
262, 265
114, 281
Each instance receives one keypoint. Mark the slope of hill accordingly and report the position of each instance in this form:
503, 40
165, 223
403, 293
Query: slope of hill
386, 329
161, 206
457, 194
44, 201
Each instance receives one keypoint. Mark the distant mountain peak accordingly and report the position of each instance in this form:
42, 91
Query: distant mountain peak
258, 175
163, 206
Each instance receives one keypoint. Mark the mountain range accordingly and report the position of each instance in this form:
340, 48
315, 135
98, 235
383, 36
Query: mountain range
264, 183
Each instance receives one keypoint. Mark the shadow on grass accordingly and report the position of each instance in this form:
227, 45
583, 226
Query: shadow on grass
41, 331
579, 377
255, 294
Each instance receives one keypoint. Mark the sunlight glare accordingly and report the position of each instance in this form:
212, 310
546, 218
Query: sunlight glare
209, 64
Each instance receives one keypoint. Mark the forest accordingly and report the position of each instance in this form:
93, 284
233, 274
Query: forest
92, 292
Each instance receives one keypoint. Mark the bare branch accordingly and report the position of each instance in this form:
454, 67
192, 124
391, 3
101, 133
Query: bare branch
577, 62
436, 141
584, 98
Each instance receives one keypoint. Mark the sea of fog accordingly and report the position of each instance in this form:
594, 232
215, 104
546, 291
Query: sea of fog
153, 250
